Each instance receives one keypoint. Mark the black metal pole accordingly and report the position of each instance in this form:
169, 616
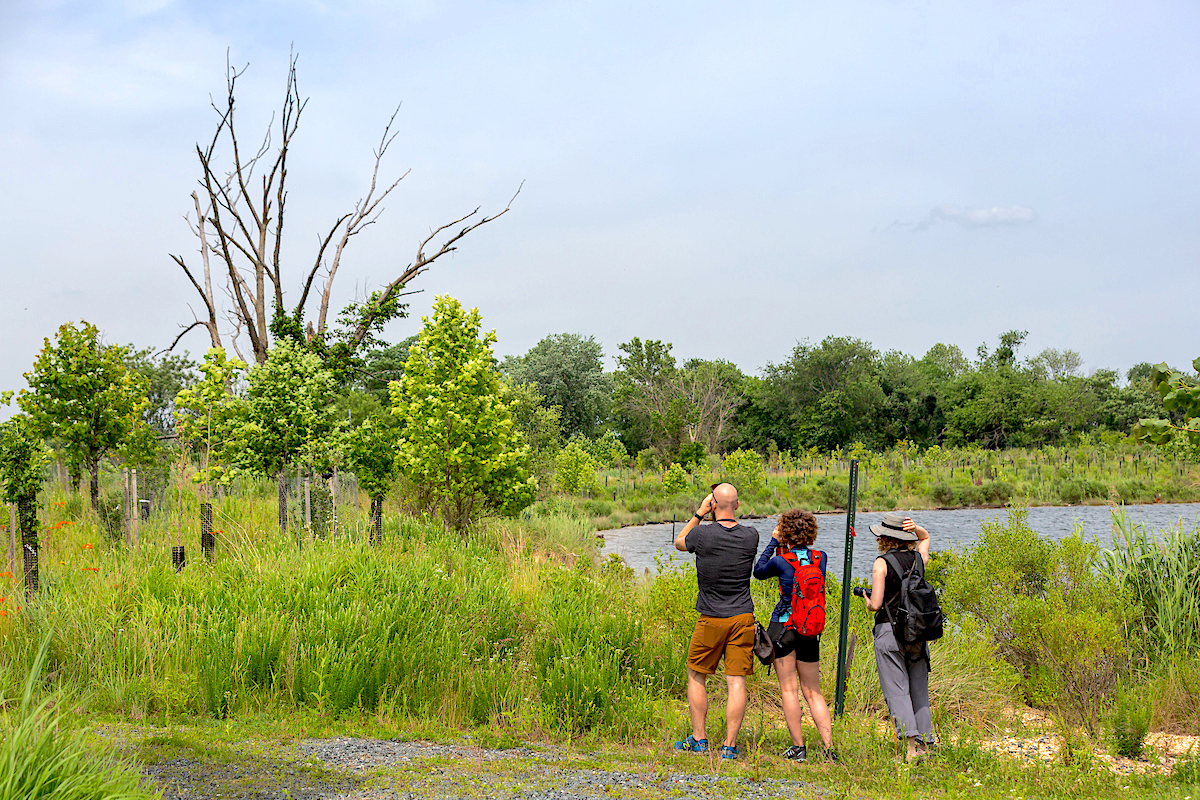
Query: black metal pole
839, 701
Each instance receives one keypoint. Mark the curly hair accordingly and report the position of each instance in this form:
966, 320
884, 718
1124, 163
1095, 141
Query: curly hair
887, 544
797, 528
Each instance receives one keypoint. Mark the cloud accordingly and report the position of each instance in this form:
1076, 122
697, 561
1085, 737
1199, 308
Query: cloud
994, 217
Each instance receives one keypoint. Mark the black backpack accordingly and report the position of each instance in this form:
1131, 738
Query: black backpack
918, 617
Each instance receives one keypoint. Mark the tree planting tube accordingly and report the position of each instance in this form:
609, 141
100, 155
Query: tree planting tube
178, 558
208, 542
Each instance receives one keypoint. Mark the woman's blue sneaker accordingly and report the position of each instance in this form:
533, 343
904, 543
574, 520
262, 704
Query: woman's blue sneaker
692, 745
729, 753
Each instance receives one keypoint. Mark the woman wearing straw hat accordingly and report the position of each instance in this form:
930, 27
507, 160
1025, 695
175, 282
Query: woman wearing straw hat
903, 676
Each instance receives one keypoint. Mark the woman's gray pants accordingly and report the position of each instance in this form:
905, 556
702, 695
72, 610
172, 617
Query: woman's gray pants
905, 686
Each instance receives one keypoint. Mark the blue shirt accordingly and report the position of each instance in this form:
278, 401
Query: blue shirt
771, 565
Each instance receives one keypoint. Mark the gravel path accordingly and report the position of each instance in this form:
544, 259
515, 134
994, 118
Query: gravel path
376, 769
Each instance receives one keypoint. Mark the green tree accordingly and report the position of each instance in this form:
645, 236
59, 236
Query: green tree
674, 479
539, 424
824, 396
288, 415
370, 451
575, 468
382, 365
82, 394
22, 457
648, 412
459, 446
568, 370
209, 415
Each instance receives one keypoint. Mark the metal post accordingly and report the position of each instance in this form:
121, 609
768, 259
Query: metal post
126, 508
12, 538
839, 701
137, 507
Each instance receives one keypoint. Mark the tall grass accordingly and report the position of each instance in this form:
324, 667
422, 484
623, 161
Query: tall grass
39, 759
1162, 576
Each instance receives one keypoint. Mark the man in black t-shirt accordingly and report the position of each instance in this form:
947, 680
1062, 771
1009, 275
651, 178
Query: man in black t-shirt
725, 551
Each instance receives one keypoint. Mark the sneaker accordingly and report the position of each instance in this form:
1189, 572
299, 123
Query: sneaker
729, 753
796, 752
692, 745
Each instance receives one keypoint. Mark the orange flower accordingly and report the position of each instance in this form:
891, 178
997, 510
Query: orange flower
66, 522
61, 503
1, 599
89, 546
3, 612
90, 569
5, 574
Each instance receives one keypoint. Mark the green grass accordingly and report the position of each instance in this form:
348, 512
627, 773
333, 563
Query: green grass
515, 633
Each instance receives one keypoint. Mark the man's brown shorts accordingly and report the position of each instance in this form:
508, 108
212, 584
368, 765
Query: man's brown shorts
732, 637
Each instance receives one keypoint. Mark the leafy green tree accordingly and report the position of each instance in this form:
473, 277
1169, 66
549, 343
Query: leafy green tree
22, 457
823, 396
209, 415
1181, 396
674, 479
744, 469
568, 370
460, 446
575, 467
288, 415
647, 410
370, 451
82, 394
539, 424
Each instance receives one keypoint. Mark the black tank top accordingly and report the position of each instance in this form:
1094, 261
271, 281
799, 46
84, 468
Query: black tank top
891, 583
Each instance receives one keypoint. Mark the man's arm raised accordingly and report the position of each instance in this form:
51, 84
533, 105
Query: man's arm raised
681, 537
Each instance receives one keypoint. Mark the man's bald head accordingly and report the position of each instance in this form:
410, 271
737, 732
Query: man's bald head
725, 497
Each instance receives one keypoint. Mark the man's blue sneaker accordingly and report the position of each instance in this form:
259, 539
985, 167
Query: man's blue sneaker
729, 753
692, 745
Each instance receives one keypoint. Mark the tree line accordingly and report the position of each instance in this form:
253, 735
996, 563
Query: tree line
833, 394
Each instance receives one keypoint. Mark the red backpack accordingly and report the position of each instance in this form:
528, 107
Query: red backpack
808, 594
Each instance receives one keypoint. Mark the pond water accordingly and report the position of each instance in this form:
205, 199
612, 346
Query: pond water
640, 544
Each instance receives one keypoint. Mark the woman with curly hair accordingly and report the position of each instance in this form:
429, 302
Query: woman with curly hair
797, 658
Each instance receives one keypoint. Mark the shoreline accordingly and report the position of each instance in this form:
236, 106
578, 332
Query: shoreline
984, 507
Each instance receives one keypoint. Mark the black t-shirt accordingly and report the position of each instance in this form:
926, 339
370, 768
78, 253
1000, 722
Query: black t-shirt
891, 583
724, 559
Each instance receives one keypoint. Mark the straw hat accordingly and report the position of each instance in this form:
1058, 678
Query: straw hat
892, 527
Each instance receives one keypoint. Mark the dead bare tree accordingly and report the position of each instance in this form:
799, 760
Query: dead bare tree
240, 223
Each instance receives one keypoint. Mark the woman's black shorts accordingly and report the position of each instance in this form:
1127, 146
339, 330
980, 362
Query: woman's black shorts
786, 640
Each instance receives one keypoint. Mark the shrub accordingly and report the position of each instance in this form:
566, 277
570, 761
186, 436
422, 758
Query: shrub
575, 468
943, 493
744, 469
675, 479
998, 491
1127, 725
970, 495
832, 493
1049, 611
1077, 490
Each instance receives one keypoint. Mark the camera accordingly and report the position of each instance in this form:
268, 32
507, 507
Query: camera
861, 591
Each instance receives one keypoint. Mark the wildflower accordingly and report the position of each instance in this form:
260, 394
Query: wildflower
2, 599
90, 569
3, 612
66, 522
89, 546
61, 503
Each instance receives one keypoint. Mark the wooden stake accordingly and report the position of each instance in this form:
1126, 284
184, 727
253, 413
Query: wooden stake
137, 507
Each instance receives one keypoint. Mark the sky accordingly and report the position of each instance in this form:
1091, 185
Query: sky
731, 178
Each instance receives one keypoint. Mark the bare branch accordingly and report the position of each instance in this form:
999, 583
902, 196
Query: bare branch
174, 342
